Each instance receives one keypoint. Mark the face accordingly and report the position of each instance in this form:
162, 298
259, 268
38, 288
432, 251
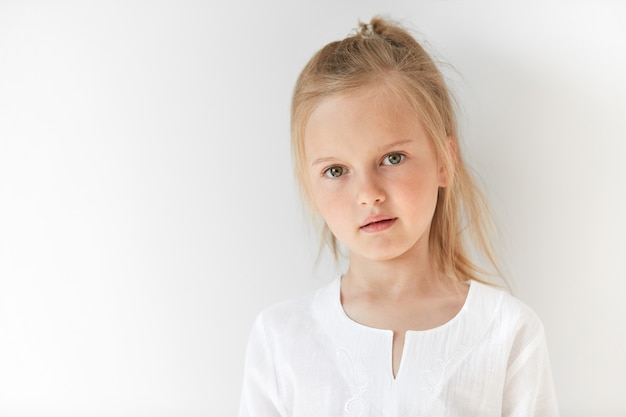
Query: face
373, 174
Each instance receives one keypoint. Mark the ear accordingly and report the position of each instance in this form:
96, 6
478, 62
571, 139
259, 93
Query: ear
446, 167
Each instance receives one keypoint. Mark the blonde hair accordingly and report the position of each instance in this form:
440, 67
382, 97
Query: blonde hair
382, 53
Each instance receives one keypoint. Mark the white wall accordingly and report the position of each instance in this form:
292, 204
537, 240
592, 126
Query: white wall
147, 211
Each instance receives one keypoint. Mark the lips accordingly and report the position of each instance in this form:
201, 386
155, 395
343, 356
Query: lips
377, 223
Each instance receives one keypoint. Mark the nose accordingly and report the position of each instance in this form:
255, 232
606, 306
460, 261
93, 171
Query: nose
370, 190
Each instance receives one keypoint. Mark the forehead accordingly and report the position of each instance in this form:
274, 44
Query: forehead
368, 102
368, 116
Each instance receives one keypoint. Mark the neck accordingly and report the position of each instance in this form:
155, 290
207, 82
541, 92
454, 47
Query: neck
412, 274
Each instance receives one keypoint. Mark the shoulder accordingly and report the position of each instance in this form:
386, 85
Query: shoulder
516, 340
294, 315
284, 312
507, 313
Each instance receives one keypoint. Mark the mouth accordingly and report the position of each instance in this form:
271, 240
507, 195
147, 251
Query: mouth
378, 225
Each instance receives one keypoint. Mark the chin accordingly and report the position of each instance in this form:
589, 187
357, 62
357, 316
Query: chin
381, 255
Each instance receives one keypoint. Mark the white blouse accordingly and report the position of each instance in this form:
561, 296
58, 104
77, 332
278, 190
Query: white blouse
306, 357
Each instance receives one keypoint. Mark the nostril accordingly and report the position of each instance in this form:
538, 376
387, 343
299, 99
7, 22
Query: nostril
370, 192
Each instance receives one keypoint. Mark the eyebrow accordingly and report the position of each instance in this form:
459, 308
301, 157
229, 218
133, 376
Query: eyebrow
380, 149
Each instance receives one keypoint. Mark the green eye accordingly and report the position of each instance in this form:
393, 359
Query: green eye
393, 159
334, 172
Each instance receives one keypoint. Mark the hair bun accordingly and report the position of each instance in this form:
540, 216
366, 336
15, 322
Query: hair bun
390, 32
376, 26
365, 30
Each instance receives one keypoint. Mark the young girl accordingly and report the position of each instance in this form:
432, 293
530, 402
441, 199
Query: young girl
409, 329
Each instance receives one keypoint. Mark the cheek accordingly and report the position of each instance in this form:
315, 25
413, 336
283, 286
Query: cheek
330, 203
316, 193
418, 189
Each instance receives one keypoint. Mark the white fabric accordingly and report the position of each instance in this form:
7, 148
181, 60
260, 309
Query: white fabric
308, 358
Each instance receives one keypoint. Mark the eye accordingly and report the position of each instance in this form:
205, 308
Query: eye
334, 172
393, 159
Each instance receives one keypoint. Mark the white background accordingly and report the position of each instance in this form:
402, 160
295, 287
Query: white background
148, 211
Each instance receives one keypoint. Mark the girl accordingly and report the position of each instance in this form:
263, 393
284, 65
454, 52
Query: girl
409, 329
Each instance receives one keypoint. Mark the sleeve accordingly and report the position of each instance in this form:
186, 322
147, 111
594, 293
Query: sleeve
259, 396
528, 389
